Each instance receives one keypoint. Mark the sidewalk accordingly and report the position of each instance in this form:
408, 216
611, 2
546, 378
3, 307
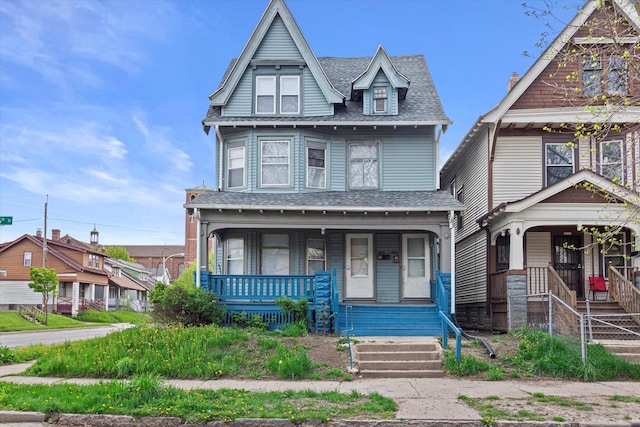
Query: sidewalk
423, 400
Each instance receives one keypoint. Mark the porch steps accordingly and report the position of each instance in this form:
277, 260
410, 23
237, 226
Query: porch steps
390, 320
399, 360
610, 312
628, 350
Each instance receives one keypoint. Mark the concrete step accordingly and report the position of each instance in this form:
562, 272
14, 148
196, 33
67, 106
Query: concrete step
399, 365
395, 347
389, 359
403, 374
395, 356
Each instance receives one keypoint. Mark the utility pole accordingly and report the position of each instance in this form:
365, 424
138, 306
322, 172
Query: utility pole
44, 239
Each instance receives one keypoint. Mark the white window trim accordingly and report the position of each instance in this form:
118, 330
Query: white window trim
386, 100
228, 257
288, 183
621, 162
244, 164
316, 146
547, 164
27, 259
297, 78
272, 93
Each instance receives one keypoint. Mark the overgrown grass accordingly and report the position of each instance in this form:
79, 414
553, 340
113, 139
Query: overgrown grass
199, 352
147, 396
542, 355
12, 321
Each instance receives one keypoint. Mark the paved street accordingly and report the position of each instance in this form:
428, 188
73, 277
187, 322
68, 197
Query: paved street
22, 339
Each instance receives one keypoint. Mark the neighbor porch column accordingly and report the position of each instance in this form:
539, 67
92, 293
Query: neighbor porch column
516, 249
105, 297
75, 298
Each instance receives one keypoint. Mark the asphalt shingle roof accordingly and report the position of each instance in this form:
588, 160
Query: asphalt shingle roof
422, 103
330, 200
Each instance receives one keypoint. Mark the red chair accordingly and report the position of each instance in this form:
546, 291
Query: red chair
598, 284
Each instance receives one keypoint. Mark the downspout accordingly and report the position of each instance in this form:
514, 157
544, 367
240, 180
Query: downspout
198, 249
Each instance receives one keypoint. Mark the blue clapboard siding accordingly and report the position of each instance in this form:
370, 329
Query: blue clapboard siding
241, 101
313, 101
388, 272
336, 167
335, 257
391, 320
277, 43
407, 157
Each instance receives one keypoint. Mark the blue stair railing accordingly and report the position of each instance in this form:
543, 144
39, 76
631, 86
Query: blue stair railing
443, 298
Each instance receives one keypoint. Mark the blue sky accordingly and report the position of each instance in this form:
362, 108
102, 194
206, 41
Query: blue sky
101, 102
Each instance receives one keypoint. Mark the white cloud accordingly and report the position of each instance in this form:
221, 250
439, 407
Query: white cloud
159, 144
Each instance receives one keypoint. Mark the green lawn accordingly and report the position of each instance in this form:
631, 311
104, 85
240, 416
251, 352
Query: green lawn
11, 321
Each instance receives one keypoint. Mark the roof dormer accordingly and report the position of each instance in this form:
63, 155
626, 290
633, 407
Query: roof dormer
381, 86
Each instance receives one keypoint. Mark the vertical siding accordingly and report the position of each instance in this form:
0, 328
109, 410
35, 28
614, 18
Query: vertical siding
538, 249
313, 101
251, 251
335, 249
517, 168
218, 256
408, 164
590, 260
387, 272
471, 269
241, 100
277, 43
471, 173
298, 253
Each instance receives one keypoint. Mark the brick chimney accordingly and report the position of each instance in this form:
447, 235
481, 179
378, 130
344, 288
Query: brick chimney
512, 81
39, 232
55, 234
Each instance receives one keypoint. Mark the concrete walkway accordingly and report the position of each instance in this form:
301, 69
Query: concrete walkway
428, 399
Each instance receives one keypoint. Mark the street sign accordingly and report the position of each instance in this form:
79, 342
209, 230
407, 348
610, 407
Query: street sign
6, 220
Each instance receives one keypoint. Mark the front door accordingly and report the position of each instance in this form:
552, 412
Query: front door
567, 261
416, 266
359, 267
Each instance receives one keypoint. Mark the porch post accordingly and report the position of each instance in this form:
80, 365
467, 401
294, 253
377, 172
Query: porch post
445, 248
105, 298
75, 298
92, 292
516, 249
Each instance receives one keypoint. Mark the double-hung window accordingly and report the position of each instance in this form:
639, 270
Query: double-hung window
265, 94
316, 255
274, 163
363, 166
617, 75
611, 161
559, 162
591, 70
289, 94
460, 198
26, 259
380, 98
235, 256
275, 254
94, 261
316, 165
235, 167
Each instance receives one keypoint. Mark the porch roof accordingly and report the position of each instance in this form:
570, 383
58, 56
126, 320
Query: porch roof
338, 201
124, 282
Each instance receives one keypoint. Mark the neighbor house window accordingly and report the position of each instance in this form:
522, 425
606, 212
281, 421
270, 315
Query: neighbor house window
235, 167
235, 256
363, 166
266, 94
559, 162
502, 253
380, 99
26, 259
460, 198
275, 254
316, 255
611, 161
617, 75
591, 70
316, 166
94, 261
289, 94
275, 163
62, 289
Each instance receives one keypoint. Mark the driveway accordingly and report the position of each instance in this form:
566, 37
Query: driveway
53, 336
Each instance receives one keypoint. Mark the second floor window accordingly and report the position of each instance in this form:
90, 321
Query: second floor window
559, 162
235, 167
611, 161
460, 198
94, 261
26, 259
316, 170
266, 94
591, 69
275, 163
363, 166
617, 75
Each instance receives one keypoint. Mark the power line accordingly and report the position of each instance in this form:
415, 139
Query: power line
118, 226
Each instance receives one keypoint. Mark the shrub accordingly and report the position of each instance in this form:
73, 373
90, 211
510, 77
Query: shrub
185, 305
295, 310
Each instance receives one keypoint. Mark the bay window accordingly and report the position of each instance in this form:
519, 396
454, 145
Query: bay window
316, 166
363, 166
235, 167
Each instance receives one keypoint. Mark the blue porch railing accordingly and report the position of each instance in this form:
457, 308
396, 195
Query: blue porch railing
443, 300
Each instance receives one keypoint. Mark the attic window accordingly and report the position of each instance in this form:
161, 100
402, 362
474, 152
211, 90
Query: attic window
380, 99
266, 94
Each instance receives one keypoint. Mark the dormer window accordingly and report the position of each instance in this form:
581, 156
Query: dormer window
380, 99
278, 94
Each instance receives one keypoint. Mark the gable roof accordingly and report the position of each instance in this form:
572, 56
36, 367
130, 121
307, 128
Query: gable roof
275, 8
381, 61
56, 249
585, 175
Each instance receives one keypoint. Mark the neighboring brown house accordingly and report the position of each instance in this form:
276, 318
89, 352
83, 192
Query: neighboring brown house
152, 256
522, 173
83, 280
